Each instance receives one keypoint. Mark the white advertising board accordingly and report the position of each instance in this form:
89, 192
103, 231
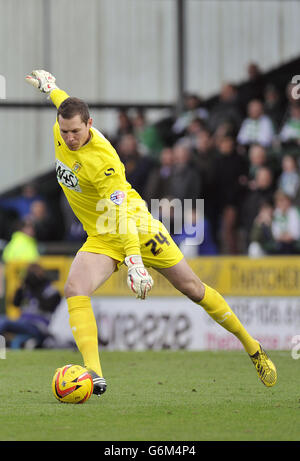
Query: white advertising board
177, 323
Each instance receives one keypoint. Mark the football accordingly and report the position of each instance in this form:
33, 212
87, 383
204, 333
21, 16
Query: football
72, 384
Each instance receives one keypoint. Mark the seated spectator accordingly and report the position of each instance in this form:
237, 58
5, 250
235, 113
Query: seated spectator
289, 180
285, 224
37, 299
253, 88
124, 127
181, 183
290, 132
43, 222
274, 106
157, 185
224, 129
231, 175
184, 180
226, 110
22, 245
193, 109
147, 135
21, 204
255, 197
204, 160
256, 127
195, 127
137, 167
257, 158
261, 236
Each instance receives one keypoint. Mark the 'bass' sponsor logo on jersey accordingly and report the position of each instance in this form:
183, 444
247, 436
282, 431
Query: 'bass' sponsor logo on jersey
66, 176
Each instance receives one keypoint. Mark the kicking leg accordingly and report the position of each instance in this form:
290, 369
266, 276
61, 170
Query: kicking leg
186, 281
88, 272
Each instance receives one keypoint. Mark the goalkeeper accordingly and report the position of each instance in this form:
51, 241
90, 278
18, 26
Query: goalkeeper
120, 230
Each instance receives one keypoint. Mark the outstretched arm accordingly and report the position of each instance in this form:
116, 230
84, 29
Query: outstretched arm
45, 82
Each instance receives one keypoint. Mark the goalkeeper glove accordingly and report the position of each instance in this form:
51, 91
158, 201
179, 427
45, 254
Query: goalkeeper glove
42, 80
138, 278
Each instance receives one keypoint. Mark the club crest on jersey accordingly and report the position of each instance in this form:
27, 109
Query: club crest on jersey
66, 176
117, 197
76, 167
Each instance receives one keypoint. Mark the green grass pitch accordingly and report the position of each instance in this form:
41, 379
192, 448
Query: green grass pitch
152, 396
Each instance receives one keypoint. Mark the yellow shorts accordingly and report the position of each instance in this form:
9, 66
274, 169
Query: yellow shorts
158, 249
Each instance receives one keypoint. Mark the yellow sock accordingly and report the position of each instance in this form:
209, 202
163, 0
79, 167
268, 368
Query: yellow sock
85, 332
216, 306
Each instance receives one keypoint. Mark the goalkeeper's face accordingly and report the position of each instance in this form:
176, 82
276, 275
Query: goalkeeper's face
74, 131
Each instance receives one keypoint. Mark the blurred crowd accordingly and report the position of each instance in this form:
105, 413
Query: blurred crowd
240, 154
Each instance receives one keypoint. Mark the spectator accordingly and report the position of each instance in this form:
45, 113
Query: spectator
37, 299
231, 175
21, 204
256, 81
204, 159
226, 110
184, 181
157, 186
261, 193
137, 167
124, 127
195, 127
290, 133
257, 158
22, 245
285, 224
193, 109
256, 127
43, 222
147, 135
289, 180
254, 86
274, 106
261, 237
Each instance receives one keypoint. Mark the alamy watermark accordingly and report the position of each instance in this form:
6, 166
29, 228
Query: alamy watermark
185, 217
2, 87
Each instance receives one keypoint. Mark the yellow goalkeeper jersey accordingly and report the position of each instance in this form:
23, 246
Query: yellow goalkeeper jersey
93, 180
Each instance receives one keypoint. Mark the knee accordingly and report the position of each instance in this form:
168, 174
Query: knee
73, 288
193, 289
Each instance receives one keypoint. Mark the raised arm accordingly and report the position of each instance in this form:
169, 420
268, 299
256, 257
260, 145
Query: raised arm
45, 82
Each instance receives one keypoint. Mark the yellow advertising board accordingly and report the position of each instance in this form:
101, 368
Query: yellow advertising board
231, 276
